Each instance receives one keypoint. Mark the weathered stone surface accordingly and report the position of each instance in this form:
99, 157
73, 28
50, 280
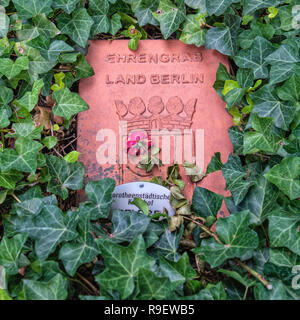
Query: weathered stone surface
164, 85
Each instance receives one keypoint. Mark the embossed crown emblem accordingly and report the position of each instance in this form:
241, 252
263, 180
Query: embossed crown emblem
156, 115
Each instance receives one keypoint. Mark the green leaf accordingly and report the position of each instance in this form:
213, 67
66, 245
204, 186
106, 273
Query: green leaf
244, 280
151, 286
26, 129
10, 252
78, 27
206, 203
236, 235
141, 204
64, 176
4, 295
217, 7
23, 158
267, 104
223, 39
168, 244
49, 51
99, 9
215, 163
83, 69
4, 24
50, 142
68, 103
67, 5
9, 179
11, 69
49, 228
255, 58
193, 33
236, 136
254, 5
278, 291
99, 194
289, 91
263, 138
81, 250
30, 8
260, 201
44, 27
284, 229
127, 225
72, 156
178, 272
143, 11
286, 176
169, 17
115, 24
283, 258
30, 98
122, 265
29, 207
55, 289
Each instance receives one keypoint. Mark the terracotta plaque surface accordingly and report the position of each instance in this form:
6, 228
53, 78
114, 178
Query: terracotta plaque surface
163, 89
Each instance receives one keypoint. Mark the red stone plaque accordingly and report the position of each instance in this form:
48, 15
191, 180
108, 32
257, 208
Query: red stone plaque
165, 90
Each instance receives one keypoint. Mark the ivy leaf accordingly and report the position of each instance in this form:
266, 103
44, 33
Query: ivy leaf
68, 103
254, 5
217, 7
193, 33
67, 5
81, 250
100, 196
10, 251
267, 104
223, 39
283, 258
30, 98
284, 61
82, 68
152, 287
278, 291
115, 24
29, 207
260, 201
9, 179
236, 136
49, 51
44, 27
55, 289
6, 96
236, 235
24, 158
244, 280
64, 176
143, 11
233, 171
168, 244
26, 129
49, 228
127, 225
30, 8
206, 203
284, 229
178, 272
78, 27
286, 176
11, 69
100, 9
4, 24
215, 163
263, 138
169, 17
255, 58
122, 265
289, 91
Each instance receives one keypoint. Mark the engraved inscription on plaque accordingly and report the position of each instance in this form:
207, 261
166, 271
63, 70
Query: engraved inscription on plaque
164, 91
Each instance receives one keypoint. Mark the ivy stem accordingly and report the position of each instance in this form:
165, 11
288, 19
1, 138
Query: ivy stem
243, 265
96, 291
16, 198
255, 274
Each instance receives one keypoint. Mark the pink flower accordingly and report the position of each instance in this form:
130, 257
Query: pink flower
134, 142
